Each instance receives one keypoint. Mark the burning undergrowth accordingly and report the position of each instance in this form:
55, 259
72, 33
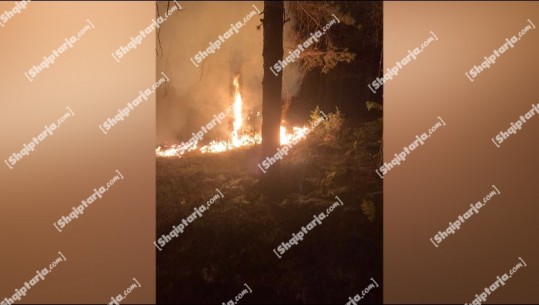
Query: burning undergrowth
241, 135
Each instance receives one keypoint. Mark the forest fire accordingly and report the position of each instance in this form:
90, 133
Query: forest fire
238, 138
281, 145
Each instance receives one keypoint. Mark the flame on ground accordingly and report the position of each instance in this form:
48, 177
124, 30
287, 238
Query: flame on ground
238, 139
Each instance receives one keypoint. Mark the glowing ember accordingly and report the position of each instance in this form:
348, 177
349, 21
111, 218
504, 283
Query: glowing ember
238, 138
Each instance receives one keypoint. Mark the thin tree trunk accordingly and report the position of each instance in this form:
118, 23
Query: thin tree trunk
271, 89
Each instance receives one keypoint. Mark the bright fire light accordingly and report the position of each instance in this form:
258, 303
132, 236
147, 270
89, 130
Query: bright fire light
237, 139
238, 116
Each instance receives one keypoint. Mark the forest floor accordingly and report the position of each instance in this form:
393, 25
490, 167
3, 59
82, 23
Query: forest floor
232, 243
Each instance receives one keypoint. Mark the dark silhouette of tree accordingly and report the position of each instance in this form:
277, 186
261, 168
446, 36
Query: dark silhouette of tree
271, 89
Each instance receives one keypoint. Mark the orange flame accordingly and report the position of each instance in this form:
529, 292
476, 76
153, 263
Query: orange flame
238, 116
238, 139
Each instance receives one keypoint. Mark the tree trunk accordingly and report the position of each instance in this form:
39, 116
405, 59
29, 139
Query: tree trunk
271, 90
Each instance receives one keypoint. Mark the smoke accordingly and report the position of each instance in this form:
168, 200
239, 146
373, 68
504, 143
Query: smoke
195, 94
292, 73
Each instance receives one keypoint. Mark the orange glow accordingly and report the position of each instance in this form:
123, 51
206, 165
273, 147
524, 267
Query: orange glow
238, 138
